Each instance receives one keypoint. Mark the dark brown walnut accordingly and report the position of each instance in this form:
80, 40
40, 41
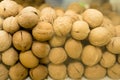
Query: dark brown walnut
57, 41
28, 59
5, 40
91, 55
117, 29
57, 55
1, 23
10, 56
22, 40
114, 45
73, 48
75, 70
114, 71
8, 8
93, 17
40, 50
43, 31
3, 72
57, 72
38, 73
48, 14
95, 72
80, 30
10, 25
108, 59
62, 25
18, 72
99, 36
45, 60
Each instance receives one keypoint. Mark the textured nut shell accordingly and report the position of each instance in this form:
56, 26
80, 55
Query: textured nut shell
117, 29
45, 60
114, 45
57, 41
62, 25
39, 73
5, 40
91, 55
57, 55
10, 56
28, 59
75, 70
96, 72
73, 48
10, 25
80, 30
59, 12
40, 50
93, 17
108, 59
42, 6
18, 72
43, 31
54, 70
22, 40
1, 23
114, 71
3, 72
99, 36
8, 8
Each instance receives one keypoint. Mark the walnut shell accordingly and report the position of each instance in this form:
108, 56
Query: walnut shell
114, 45
54, 70
93, 17
3, 72
5, 40
22, 40
99, 36
18, 72
43, 31
62, 25
28, 59
80, 30
40, 50
75, 50
10, 56
11, 25
75, 70
38, 73
45, 60
108, 59
117, 29
96, 72
91, 55
57, 55
59, 12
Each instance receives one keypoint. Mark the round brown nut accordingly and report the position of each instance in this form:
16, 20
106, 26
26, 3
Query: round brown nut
3, 72
117, 29
40, 50
114, 71
114, 45
99, 36
54, 70
93, 17
5, 40
59, 12
75, 70
39, 73
28, 59
62, 25
22, 40
80, 30
73, 48
57, 41
108, 59
91, 55
48, 14
42, 6
96, 72
43, 31
57, 55
8, 8
45, 60
10, 56
18, 72
1, 23
10, 25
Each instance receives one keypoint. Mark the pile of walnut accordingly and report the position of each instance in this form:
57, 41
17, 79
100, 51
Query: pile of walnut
45, 41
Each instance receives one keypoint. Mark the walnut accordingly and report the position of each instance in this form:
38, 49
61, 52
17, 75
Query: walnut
3, 72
